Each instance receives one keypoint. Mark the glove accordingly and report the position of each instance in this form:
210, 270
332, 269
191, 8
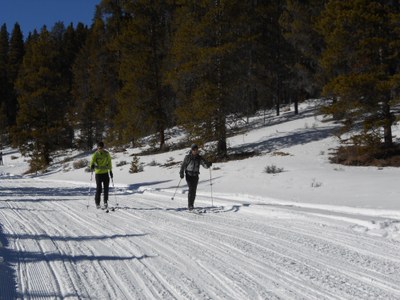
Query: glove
209, 164
92, 168
181, 174
111, 174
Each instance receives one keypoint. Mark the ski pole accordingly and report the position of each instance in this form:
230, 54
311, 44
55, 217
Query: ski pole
90, 186
176, 189
115, 195
212, 199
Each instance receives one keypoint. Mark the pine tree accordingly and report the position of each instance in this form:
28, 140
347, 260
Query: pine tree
4, 83
16, 54
223, 61
113, 15
95, 77
277, 53
91, 86
260, 56
70, 44
144, 100
298, 25
42, 92
361, 60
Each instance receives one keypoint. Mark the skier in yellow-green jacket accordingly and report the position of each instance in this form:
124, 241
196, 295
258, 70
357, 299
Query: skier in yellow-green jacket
101, 165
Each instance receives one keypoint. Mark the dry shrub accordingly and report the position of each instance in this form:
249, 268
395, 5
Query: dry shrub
280, 153
79, 164
378, 156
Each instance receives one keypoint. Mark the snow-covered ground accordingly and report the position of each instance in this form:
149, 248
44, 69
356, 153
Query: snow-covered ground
314, 231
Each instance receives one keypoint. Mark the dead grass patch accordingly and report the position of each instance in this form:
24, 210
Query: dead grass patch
378, 156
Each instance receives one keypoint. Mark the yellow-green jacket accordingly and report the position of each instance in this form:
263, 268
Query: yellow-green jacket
101, 161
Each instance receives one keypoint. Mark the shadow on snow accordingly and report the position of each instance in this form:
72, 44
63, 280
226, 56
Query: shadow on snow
71, 238
297, 138
135, 187
43, 192
8, 286
10, 258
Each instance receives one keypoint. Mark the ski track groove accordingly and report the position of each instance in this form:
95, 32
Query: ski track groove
127, 293
349, 253
73, 275
352, 275
314, 277
171, 254
174, 289
152, 276
66, 268
20, 268
181, 234
33, 269
325, 262
49, 223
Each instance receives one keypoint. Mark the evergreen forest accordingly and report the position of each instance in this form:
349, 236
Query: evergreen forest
143, 66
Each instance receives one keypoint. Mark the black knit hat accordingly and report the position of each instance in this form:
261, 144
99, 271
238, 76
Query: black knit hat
194, 146
100, 145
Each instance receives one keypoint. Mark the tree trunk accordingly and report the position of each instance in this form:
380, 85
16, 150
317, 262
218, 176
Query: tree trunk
296, 105
387, 125
388, 136
278, 112
221, 136
162, 135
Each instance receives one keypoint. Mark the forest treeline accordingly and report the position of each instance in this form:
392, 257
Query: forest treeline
144, 66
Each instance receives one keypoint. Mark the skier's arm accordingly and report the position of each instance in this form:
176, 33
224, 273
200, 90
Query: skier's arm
183, 166
92, 162
110, 166
205, 163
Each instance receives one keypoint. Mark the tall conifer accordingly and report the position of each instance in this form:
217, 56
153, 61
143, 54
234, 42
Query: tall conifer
144, 99
298, 26
16, 54
42, 93
225, 56
91, 86
361, 60
4, 83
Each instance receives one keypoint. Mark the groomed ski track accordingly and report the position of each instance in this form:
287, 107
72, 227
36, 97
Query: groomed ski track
151, 248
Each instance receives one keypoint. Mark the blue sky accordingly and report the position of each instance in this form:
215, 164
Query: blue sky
31, 14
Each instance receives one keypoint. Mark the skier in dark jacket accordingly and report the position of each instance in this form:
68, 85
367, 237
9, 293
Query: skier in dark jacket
190, 167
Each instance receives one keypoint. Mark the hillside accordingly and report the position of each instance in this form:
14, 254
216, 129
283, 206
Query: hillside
313, 231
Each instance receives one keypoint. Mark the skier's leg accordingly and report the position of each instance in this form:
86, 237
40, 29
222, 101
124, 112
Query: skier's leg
189, 183
192, 184
106, 181
98, 189
194, 189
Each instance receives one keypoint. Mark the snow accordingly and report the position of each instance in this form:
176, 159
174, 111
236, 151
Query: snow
314, 231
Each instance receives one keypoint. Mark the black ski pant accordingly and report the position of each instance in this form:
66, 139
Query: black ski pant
192, 182
102, 180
